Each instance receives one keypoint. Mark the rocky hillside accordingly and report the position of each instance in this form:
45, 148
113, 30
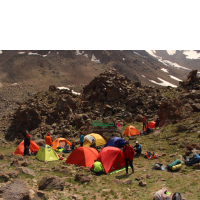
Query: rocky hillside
109, 96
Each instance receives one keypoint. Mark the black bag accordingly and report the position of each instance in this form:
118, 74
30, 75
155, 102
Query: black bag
176, 196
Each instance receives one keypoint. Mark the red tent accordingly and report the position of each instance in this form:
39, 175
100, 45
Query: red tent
20, 149
151, 125
111, 158
82, 156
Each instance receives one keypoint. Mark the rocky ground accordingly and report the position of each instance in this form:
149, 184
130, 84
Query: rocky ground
108, 97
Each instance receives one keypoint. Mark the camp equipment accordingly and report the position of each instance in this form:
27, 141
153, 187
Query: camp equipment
176, 196
176, 162
111, 158
163, 194
20, 149
60, 142
82, 156
176, 167
99, 140
192, 160
46, 153
131, 130
116, 142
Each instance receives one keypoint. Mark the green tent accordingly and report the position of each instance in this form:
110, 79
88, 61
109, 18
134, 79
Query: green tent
46, 153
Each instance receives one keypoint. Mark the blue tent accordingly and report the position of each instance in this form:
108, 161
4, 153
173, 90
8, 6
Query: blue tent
116, 142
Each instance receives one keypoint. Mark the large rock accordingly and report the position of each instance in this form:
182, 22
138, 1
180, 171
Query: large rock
12, 173
82, 178
25, 170
39, 142
51, 182
127, 182
1, 156
196, 106
3, 177
181, 127
18, 190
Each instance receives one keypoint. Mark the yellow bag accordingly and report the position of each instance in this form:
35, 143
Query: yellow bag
176, 167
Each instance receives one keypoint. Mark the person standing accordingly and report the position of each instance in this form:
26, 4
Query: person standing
157, 122
144, 122
128, 153
48, 140
81, 138
27, 142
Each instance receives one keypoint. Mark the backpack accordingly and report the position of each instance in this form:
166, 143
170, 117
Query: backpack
176, 196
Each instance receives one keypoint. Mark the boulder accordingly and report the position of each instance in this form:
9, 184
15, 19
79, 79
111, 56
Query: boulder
82, 178
142, 183
25, 170
196, 166
51, 182
180, 128
17, 189
3, 177
15, 163
12, 173
39, 142
1, 156
24, 164
127, 182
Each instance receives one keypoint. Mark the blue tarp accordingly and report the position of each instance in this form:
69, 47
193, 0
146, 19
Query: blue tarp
115, 142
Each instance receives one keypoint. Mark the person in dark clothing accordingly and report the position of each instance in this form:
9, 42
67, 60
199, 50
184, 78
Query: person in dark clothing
73, 146
138, 149
148, 130
157, 122
27, 142
128, 153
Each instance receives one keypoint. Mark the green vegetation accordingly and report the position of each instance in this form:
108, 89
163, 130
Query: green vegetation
184, 181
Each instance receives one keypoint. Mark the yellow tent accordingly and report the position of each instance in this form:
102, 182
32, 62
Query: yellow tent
98, 139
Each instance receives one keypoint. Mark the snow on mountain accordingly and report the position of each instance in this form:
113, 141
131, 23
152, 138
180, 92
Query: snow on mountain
175, 78
171, 52
191, 54
163, 82
165, 62
165, 70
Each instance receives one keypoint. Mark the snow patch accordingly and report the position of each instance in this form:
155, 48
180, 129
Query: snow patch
165, 62
143, 75
123, 59
86, 55
21, 52
163, 83
175, 78
171, 52
165, 70
57, 52
94, 59
139, 54
44, 55
15, 84
1, 51
66, 88
78, 53
191, 54
35, 54
49, 52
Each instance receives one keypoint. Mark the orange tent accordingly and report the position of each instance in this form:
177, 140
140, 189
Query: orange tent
82, 156
131, 130
20, 149
151, 125
60, 142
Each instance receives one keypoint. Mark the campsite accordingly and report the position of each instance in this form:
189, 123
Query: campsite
51, 174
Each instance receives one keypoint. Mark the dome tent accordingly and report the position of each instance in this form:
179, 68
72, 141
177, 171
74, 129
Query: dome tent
116, 142
131, 130
82, 156
98, 139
